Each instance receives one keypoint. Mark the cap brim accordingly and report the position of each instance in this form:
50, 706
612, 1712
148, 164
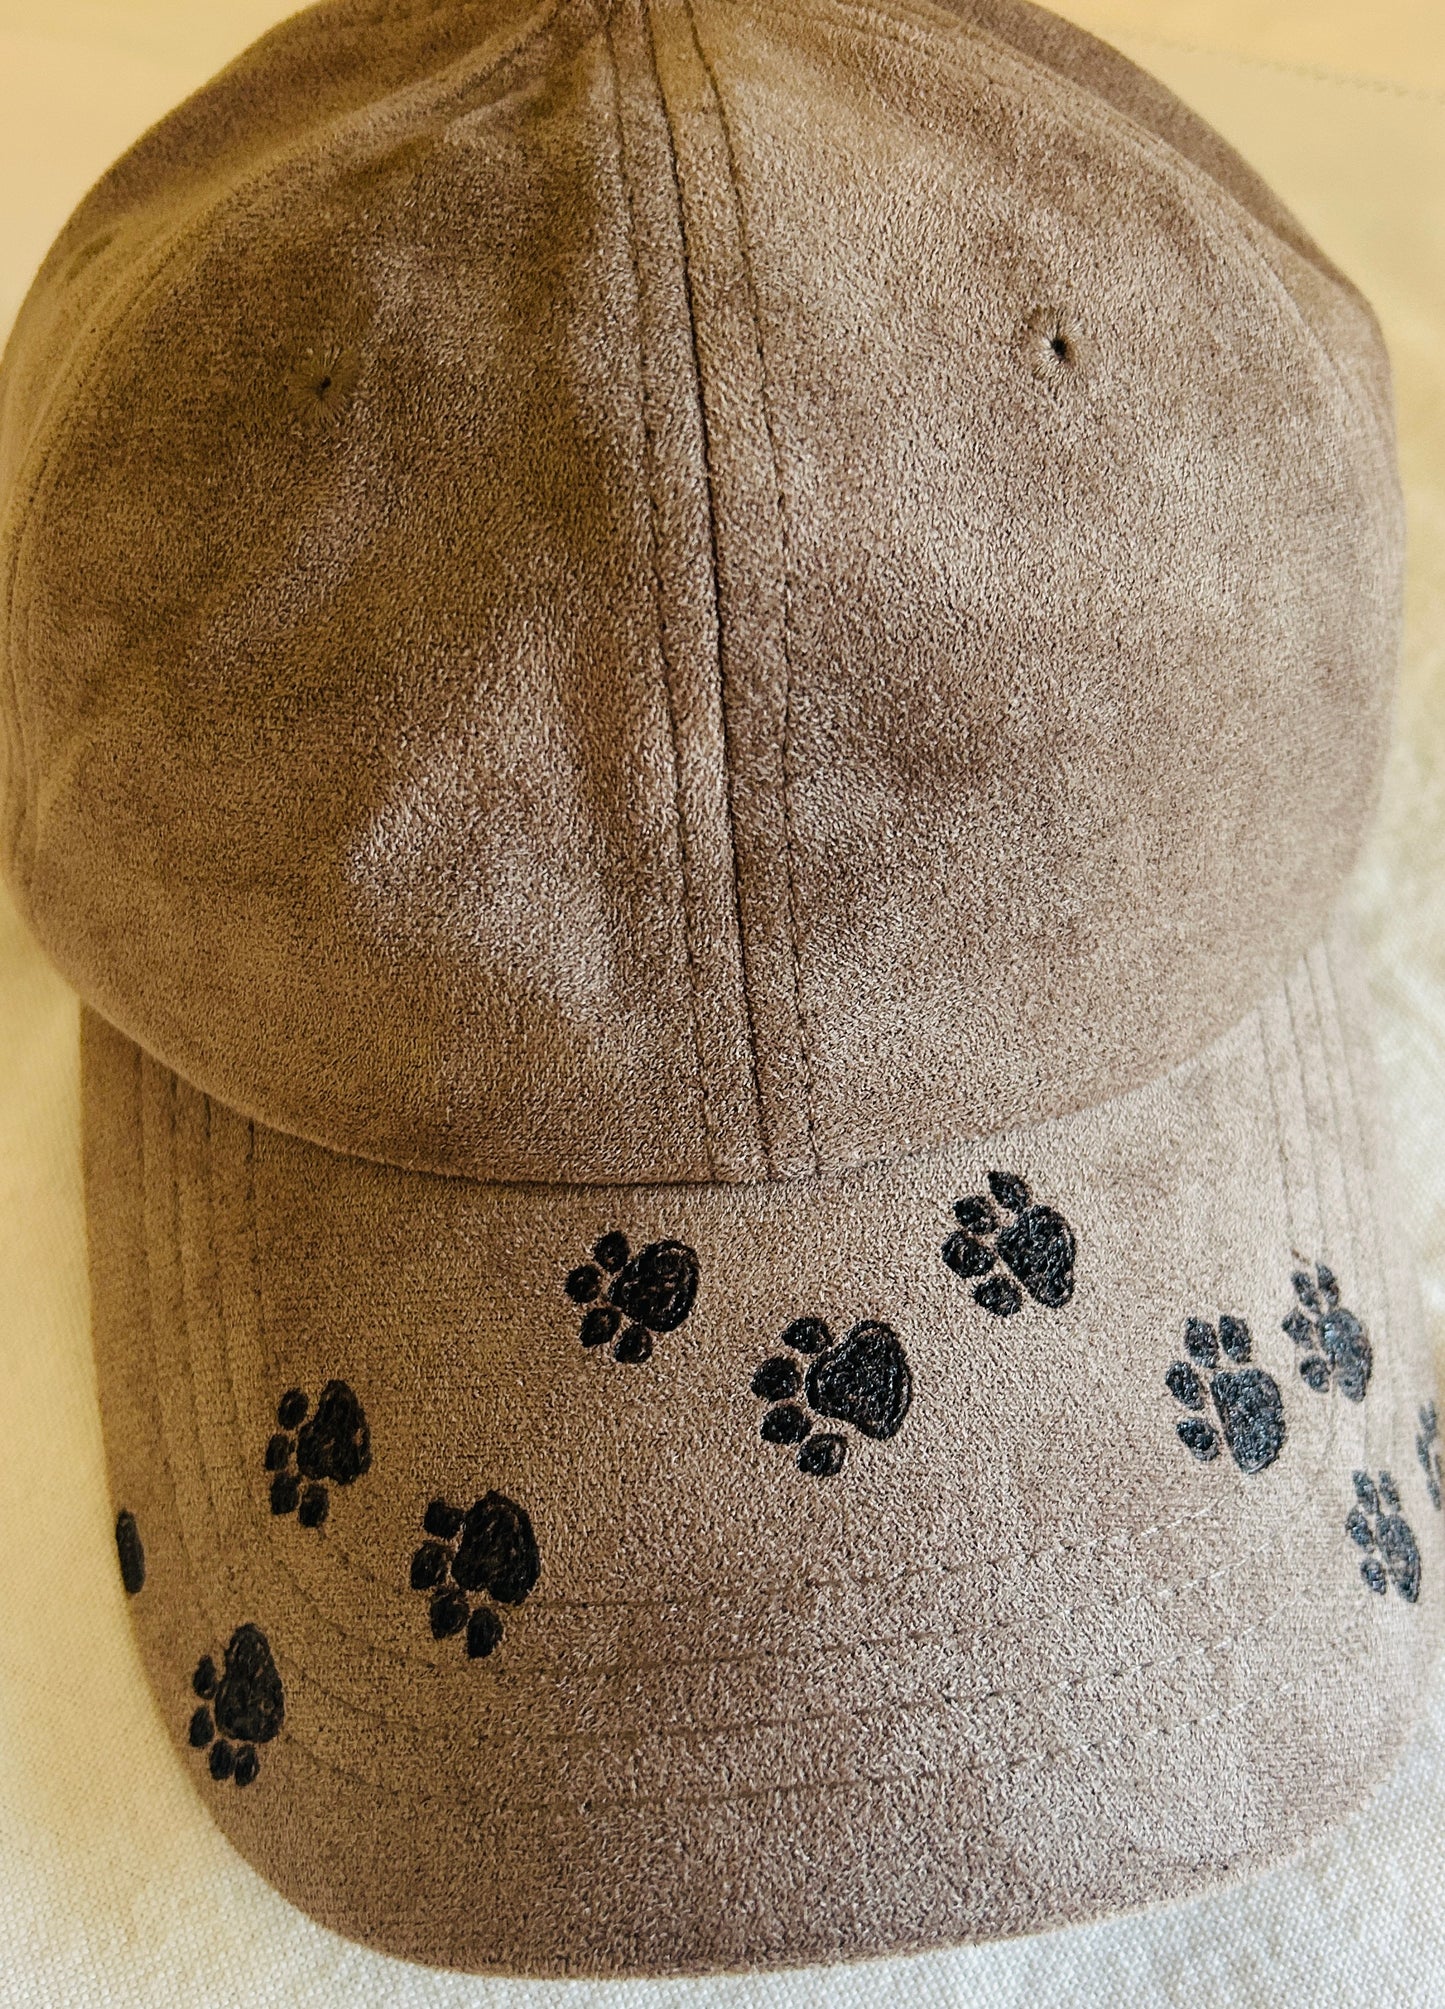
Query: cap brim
1032, 1657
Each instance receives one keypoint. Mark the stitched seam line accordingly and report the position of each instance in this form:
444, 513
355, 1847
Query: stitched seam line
596, 1675
1315, 73
1334, 1419
789, 814
1301, 1074
764, 1133
1005, 1767
1371, 1429
1356, 1101
1338, 1139
1267, 1062
884, 1710
684, 864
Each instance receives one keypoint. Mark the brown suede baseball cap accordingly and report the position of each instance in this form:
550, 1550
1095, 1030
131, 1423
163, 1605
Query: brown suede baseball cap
689, 684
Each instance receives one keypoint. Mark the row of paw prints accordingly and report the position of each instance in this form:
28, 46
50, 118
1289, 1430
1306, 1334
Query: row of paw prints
472, 1560
1005, 1244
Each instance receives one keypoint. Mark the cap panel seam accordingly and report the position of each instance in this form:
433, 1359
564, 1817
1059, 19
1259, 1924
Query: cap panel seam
644, 9
772, 998
785, 534
679, 819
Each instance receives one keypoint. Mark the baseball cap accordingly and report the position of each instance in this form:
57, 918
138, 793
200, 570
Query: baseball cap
689, 686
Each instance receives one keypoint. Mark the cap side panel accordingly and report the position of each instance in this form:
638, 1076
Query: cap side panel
751, 533
1123, 589
325, 59
687, 606
460, 784
1336, 314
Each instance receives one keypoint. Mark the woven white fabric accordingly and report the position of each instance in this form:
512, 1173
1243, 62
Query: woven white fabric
115, 1889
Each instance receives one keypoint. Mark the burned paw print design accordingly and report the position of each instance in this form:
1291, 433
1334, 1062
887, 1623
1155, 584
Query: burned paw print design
633, 1298
1376, 1525
1036, 1246
1336, 1346
1427, 1450
862, 1380
333, 1448
486, 1549
240, 1708
1248, 1411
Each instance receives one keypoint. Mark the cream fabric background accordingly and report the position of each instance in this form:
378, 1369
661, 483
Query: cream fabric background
114, 1887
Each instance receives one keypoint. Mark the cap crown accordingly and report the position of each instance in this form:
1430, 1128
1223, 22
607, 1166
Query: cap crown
690, 591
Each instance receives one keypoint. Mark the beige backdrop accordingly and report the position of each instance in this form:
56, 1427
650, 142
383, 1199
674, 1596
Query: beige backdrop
114, 1887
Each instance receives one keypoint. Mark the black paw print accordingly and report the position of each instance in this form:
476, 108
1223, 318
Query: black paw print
490, 1547
653, 1291
130, 1552
1246, 1400
246, 1703
1337, 1347
334, 1446
1427, 1450
862, 1380
1037, 1245
1376, 1525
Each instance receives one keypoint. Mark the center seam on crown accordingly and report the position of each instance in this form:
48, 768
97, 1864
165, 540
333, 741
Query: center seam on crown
789, 817
684, 861
644, 17
773, 998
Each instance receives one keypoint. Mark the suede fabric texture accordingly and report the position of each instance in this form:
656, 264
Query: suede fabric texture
1025, 1662
735, 627
691, 592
